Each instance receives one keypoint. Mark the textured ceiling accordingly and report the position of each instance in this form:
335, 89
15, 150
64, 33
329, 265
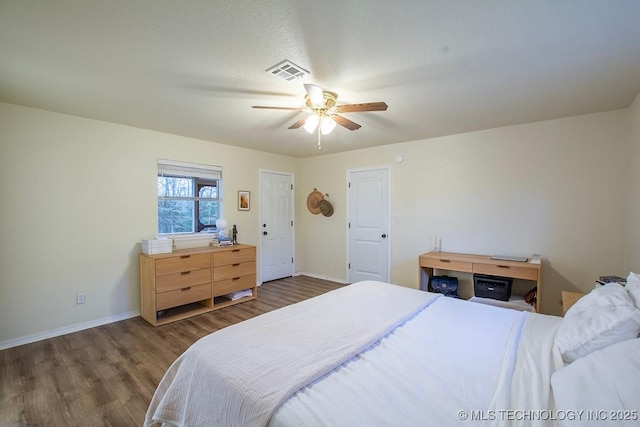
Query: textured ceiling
195, 67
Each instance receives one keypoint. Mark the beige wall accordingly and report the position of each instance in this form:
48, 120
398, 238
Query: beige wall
633, 236
557, 188
78, 196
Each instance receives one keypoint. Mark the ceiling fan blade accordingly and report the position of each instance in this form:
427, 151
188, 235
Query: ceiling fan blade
315, 94
368, 106
345, 122
264, 107
298, 124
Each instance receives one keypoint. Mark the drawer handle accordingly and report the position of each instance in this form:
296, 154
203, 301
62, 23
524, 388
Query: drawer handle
235, 265
445, 260
185, 289
503, 266
236, 278
185, 256
184, 273
235, 250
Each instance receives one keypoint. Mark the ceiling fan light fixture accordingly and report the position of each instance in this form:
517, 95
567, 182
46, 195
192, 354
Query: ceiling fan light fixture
312, 123
325, 115
327, 124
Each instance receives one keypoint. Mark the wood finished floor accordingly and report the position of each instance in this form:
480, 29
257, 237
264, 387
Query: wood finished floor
106, 376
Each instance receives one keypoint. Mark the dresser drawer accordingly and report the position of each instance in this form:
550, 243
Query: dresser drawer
231, 285
234, 256
231, 271
182, 263
183, 296
170, 282
506, 271
446, 264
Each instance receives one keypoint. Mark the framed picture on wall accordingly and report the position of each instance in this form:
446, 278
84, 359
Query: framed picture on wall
244, 200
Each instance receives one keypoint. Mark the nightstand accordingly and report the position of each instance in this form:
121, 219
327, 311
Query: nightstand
568, 299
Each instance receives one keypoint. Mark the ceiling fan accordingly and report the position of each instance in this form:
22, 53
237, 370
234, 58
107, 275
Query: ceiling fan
324, 112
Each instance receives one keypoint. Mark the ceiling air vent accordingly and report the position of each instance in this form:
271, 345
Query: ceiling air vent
288, 71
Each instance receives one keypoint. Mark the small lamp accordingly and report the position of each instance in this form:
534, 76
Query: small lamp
222, 224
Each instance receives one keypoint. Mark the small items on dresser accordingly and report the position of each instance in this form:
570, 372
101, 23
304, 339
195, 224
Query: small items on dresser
223, 238
239, 294
603, 280
156, 246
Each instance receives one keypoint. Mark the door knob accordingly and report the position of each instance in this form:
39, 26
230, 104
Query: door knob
384, 236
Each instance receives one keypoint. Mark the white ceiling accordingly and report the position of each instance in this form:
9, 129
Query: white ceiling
195, 67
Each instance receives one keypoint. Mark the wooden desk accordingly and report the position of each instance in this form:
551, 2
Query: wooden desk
481, 264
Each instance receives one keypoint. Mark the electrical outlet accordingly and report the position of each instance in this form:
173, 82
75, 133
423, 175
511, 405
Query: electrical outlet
81, 298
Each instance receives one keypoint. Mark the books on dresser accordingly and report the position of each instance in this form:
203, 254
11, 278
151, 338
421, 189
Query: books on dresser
603, 280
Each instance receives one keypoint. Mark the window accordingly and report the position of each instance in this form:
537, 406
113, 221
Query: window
189, 197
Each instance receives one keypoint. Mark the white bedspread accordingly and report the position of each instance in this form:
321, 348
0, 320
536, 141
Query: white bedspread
339, 360
449, 365
239, 375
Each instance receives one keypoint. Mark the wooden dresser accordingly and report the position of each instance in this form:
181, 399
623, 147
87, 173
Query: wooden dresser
188, 282
481, 264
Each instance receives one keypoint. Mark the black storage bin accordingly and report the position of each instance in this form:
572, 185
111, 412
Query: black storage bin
492, 287
448, 286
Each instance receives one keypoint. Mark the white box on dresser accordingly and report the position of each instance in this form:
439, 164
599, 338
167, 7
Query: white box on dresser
156, 246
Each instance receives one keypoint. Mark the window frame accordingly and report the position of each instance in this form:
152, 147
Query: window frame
200, 176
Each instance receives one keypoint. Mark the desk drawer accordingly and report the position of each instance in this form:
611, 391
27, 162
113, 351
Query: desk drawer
234, 256
182, 263
224, 287
183, 296
234, 270
446, 264
171, 282
506, 271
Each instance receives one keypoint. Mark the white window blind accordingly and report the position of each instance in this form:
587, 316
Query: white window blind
175, 168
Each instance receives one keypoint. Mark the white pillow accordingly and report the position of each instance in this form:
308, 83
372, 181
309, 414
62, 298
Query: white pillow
604, 381
633, 287
603, 317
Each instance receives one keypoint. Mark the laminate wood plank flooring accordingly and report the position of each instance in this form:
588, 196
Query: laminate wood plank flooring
106, 376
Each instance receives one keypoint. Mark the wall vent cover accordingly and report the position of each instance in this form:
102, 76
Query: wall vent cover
288, 71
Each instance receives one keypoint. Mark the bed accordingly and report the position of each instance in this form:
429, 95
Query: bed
377, 354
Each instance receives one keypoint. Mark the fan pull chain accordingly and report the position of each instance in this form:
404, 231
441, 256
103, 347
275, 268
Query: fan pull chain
319, 139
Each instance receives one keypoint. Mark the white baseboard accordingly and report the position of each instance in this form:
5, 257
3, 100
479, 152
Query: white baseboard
15, 342
66, 330
318, 276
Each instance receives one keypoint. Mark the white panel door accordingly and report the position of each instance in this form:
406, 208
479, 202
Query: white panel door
276, 226
368, 225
